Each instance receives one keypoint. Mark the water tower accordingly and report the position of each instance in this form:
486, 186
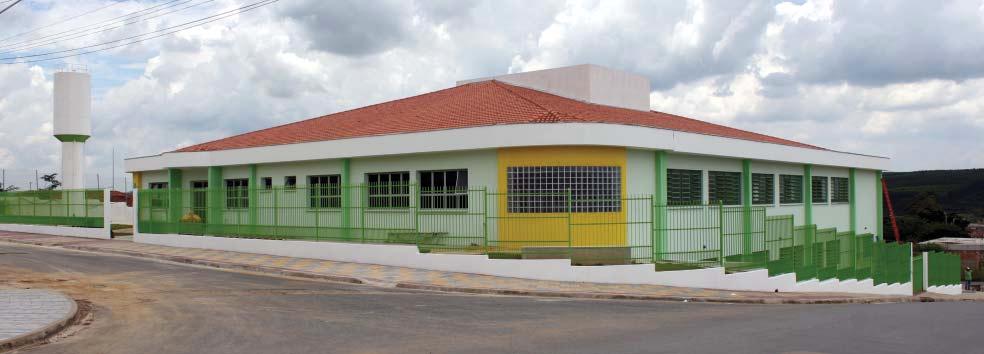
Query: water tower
72, 123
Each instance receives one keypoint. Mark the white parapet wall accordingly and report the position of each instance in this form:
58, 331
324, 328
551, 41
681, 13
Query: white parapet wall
104, 232
546, 269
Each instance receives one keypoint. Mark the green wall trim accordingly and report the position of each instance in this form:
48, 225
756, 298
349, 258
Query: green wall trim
174, 203
72, 138
880, 205
215, 198
852, 203
253, 195
746, 203
346, 198
660, 216
807, 194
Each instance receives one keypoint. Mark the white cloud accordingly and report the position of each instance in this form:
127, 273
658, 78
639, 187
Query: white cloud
843, 76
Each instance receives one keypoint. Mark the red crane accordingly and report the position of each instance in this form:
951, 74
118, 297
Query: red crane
891, 211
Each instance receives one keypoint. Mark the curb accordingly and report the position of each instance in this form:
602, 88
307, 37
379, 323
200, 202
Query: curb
43, 333
495, 291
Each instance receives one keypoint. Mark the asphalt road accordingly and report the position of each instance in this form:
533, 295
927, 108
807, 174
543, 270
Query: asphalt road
143, 306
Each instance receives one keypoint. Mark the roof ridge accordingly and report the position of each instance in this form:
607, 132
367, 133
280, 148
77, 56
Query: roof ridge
552, 114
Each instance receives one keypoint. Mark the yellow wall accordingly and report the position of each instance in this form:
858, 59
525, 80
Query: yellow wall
137, 178
516, 230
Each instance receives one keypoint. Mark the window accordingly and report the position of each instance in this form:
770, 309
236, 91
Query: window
290, 182
763, 188
199, 198
684, 186
724, 187
443, 189
819, 189
158, 199
840, 190
267, 182
389, 189
790, 189
237, 193
544, 189
324, 191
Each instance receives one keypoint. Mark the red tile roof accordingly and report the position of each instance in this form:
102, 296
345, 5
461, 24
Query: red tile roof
476, 104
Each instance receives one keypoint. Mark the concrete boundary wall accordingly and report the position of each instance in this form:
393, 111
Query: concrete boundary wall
548, 269
89, 232
946, 289
104, 232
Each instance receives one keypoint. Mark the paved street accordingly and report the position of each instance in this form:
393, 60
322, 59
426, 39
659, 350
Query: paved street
146, 306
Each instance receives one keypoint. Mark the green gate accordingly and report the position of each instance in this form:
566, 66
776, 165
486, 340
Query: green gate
917, 274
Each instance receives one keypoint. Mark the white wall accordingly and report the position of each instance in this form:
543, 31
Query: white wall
867, 186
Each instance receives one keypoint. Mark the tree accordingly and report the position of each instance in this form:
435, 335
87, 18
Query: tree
52, 180
10, 188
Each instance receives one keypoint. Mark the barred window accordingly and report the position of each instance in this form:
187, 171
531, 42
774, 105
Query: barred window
237, 193
724, 187
158, 199
325, 191
819, 189
763, 188
290, 182
389, 189
544, 189
790, 189
447, 189
684, 186
267, 182
840, 190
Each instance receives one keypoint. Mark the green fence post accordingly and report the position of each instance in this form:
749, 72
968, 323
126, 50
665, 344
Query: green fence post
721, 233
660, 210
570, 231
485, 220
363, 204
252, 200
346, 182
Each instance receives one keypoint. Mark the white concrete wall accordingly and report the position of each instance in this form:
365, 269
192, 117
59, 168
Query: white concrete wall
119, 213
551, 269
867, 187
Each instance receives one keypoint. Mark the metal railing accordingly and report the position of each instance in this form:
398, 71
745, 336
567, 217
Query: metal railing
623, 230
77, 208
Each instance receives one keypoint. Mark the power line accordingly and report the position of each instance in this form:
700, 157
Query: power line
57, 22
190, 24
83, 27
13, 49
9, 6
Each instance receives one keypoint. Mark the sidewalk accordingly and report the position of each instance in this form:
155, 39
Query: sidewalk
30, 315
411, 278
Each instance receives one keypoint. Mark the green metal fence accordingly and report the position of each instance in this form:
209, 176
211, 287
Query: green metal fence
77, 208
626, 230
944, 269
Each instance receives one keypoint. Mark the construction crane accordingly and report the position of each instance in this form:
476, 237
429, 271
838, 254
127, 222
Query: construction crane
891, 211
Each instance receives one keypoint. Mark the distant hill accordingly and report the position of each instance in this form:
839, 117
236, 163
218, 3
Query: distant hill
959, 191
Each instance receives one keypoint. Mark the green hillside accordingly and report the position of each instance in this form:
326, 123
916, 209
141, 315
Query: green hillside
958, 191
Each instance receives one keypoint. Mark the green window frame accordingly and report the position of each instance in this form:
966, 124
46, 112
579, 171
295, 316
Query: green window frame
158, 199
237, 193
790, 189
840, 190
325, 191
763, 188
819, 189
388, 189
724, 187
684, 187
443, 189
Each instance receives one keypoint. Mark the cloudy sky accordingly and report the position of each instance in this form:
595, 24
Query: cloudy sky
903, 79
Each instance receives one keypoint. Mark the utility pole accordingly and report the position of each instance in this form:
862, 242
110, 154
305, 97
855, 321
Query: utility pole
112, 178
37, 182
